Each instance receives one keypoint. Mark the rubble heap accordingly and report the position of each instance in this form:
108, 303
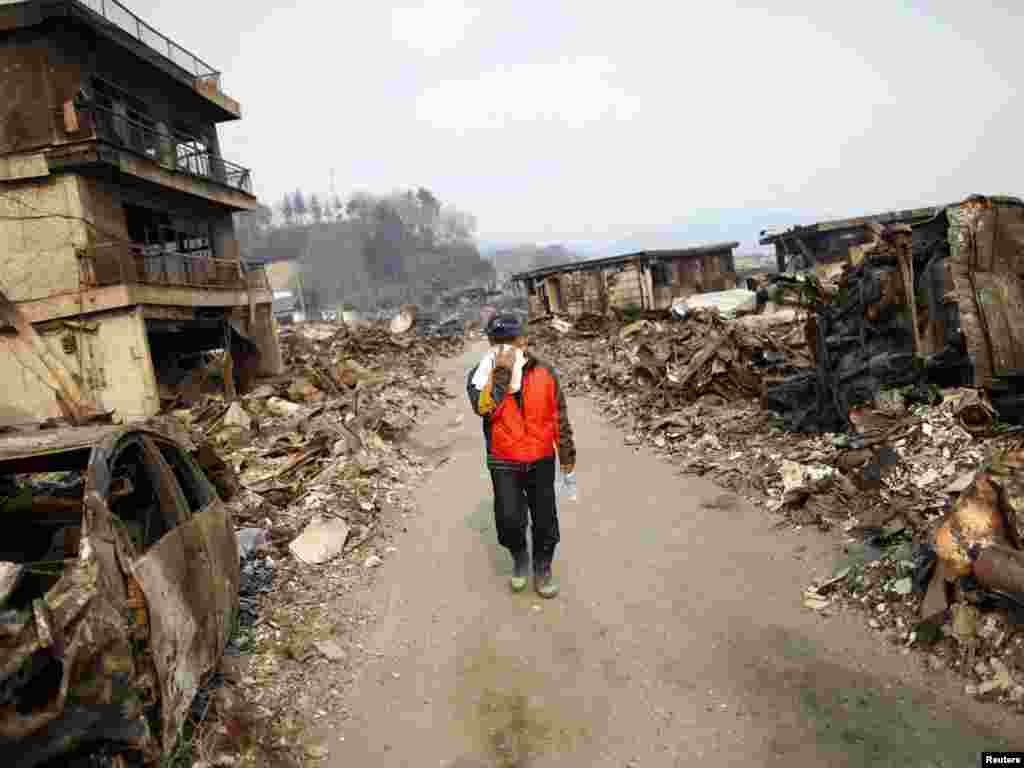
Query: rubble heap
888, 481
315, 472
941, 303
669, 362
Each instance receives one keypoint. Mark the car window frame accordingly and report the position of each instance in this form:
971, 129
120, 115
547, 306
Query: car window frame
159, 475
202, 482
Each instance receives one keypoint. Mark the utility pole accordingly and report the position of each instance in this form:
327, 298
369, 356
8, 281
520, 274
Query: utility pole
298, 276
302, 293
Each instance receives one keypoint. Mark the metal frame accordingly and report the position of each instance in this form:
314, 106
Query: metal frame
162, 148
118, 15
120, 263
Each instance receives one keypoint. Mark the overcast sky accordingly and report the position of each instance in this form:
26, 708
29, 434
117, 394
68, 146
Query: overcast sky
580, 120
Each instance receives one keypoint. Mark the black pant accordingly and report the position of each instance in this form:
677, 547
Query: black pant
533, 486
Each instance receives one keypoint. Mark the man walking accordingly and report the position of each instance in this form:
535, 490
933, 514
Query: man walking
526, 422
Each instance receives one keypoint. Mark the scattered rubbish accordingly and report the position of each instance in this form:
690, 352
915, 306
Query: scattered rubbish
404, 320
282, 408
373, 561
321, 541
980, 518
965, 622
251, 539
331, 650
702, 392
302, 390
936, 600
961, 484
235, 416
903, 586
972, 409
999, 569
814, 601
800, 481
727, 303
560, 325
317, 752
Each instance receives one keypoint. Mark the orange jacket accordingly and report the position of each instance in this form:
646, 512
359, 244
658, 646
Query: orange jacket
531, 432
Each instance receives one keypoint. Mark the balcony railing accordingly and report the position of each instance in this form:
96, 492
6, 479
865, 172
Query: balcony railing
116, 14
122, 264
174, 152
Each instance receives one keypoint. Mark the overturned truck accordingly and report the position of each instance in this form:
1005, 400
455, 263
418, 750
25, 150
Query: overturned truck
940, 303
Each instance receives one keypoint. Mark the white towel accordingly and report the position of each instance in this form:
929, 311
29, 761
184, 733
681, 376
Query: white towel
483, 371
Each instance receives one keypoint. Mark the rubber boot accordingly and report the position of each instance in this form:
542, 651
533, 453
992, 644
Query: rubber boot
520, 570
544, 581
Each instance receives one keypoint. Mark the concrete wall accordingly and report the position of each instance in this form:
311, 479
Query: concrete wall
108, 355
40, 228
45, 66
129, 378
25, 118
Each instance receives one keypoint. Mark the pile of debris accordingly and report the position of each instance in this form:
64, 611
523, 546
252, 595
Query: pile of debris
669, 362
314, 470
888, 480
939, 304
957, 594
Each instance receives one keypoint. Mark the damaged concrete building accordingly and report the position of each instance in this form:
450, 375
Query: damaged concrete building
116, 231
835, 241
643, 280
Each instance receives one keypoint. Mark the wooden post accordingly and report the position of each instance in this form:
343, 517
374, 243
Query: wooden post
229, 367
906, 259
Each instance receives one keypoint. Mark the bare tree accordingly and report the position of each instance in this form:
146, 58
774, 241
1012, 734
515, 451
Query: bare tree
287, 211
300, 207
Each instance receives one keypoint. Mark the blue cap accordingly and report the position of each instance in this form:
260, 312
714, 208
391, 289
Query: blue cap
504, 327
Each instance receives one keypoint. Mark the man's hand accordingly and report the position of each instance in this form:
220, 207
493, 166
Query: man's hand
506, 358
568, 469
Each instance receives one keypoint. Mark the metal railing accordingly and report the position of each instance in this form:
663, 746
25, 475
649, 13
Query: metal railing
115, 13
173, 151
119, 264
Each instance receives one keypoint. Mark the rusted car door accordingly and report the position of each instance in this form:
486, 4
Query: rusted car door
190, 582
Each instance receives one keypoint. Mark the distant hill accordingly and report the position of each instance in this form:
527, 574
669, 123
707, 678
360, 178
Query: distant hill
710, 226
527, 256
702, 226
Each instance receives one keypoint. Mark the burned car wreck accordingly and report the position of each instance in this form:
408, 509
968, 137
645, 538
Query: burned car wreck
119, 580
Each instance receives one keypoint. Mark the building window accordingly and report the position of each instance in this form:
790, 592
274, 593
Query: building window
193, 152
157, 233
123, 117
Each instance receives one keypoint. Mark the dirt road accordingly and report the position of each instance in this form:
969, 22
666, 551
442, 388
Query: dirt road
679, 635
